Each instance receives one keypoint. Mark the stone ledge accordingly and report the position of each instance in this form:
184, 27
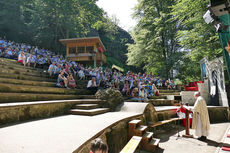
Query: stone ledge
14, 112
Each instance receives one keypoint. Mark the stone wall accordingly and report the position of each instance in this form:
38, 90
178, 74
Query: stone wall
188, 96
204, 90
18, 113
116, 136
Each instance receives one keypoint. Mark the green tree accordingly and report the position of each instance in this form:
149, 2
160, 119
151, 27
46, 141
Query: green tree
155, 43
196, 37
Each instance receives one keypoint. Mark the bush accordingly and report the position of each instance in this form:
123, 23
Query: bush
112, 98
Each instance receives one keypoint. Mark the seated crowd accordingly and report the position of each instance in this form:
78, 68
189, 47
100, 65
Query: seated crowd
137, 86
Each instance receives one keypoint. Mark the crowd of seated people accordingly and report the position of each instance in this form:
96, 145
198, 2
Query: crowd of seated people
137, 86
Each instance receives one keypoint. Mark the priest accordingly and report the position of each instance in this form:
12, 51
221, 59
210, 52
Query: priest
201, 122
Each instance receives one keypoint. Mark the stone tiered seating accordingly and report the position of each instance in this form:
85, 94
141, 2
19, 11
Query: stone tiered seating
162, 100
148, 143
19, 84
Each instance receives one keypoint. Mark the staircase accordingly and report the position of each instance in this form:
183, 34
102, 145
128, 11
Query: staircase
90, 109
26, 84
148, 142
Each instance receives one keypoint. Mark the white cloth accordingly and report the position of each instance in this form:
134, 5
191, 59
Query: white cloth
213, 91
90, 84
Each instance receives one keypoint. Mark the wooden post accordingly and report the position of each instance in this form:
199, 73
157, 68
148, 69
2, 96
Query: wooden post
187, 134
95, 59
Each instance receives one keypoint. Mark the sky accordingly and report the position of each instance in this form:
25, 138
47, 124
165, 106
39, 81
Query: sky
122, 9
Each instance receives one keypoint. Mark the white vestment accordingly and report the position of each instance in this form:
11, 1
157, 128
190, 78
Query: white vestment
200, 122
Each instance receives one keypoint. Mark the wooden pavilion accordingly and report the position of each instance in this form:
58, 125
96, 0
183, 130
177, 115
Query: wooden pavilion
85, 50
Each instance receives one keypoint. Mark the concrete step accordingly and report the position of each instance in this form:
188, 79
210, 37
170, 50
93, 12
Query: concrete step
163, 102
23, 69
168, 91
12, 88
14, 63
26, 77
89, 112
86, 106
24, 72
80, 84
165, 94
158, 97
27, 82
27, 97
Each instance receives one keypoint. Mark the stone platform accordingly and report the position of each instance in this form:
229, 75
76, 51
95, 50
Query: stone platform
68, 133
64, 134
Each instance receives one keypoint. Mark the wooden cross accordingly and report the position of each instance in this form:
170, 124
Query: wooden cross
227, 48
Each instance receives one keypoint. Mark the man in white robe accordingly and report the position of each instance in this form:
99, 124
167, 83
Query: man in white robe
200, 122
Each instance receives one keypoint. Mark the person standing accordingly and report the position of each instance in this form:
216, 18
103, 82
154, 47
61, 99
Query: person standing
201, 122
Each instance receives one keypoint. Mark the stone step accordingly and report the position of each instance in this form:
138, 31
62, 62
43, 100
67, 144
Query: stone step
26, 77
168, 91
158, 97
23, 69
27, 82
80, 84
36, 74
12, 88
163, 102
89, 112
18, 65
165, 94
27, 97
86, 106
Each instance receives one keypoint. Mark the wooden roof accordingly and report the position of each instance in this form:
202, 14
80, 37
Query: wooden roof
83, 40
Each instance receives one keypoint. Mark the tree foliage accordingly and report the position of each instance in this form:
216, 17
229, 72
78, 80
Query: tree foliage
196, 37
172, 34
44, 22
156, 45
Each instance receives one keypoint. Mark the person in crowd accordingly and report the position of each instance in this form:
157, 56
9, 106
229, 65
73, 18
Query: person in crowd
30, 60
21, 58
171, 85
201, 122
71, 82
135, 94
98, 146
126, 90
81, 74
62, 81
116, 85
143, 95
52, 69
92, 85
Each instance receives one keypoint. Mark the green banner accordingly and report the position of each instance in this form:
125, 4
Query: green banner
224, 36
